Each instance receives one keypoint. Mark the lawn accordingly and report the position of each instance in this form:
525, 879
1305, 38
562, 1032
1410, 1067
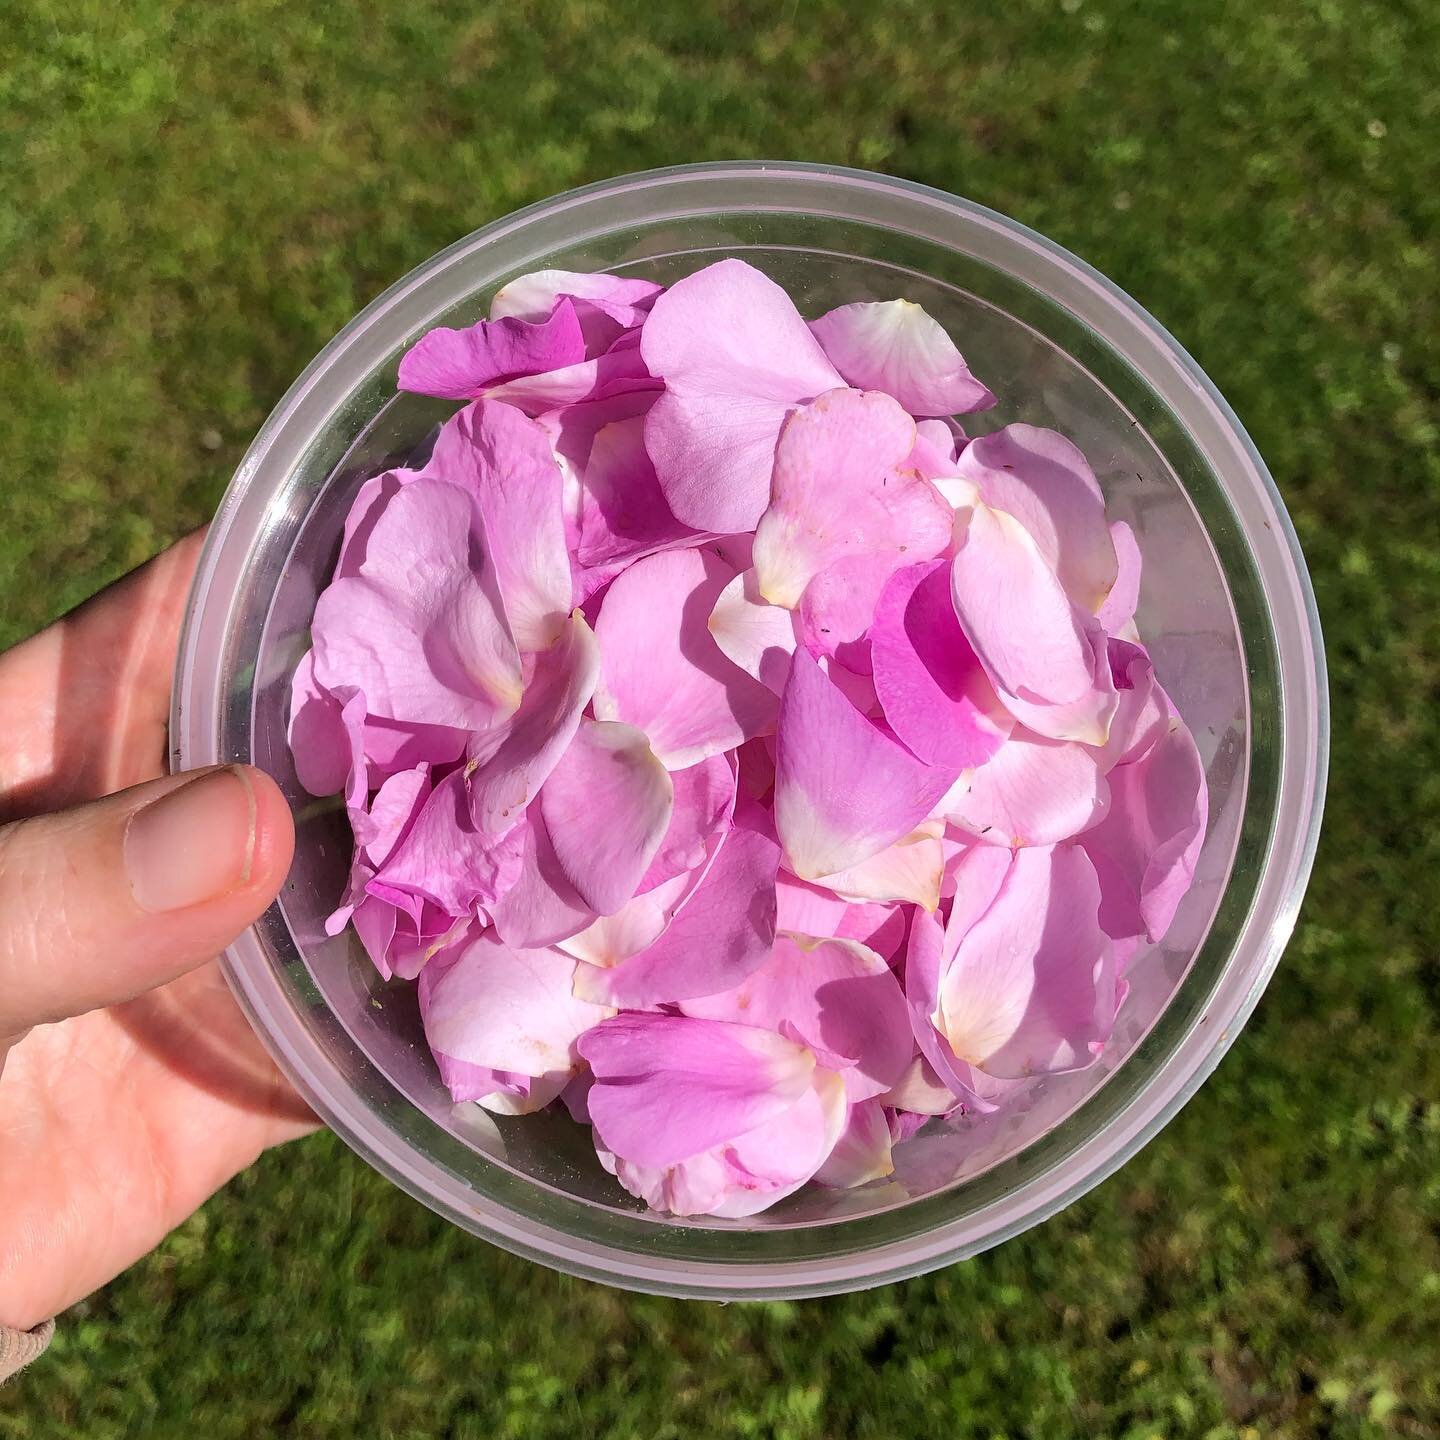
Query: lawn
193, 198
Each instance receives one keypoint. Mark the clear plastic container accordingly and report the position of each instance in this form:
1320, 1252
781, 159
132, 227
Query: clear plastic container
1226, 608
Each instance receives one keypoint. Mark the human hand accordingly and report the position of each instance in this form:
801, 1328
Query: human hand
131, 1086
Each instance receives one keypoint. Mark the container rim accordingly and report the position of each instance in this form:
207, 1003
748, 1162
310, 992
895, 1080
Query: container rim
688, 190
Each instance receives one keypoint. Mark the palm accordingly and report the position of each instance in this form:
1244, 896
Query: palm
114, 1126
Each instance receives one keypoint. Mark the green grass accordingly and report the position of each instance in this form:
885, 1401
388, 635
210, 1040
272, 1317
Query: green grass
192, 199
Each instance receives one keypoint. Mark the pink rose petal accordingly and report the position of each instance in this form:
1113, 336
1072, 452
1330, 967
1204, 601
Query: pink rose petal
862, 1153
894, 346
930, 683
541, 907
907, 872
735, 357
844, 791
838, 492
661, 669
607, 805
752, 633
1118, 608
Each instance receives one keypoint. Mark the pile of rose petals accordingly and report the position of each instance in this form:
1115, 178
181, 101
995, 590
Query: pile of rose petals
735, 752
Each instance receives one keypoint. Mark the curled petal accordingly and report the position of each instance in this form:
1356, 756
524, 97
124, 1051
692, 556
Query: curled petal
837, 996
505, 461
417, 628
1031, 987
504, 1009
752, 633
1147, 848
894, 346
844, 790
662, 671
838, 490
1032, 791
862, 1153
735, 357
461, 364
907, 872
540, 907
1044, 481
619, 371
668, 1087
1045, 659
533, 296
1118, 608
511, 765
930, 684
607, 805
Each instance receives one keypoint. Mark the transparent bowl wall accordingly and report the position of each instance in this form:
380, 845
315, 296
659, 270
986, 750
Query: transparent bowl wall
1226, 609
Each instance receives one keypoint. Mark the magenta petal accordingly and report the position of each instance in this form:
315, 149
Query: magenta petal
415, 630
445, 860
512, 767
506, 462
721, 934
623, 514
662, 671
540, 907
460, 364
844, 791
1031, 987
862, 1153
894, 346
752, 633
735, 356
1046, 483
704, 801
1044, 657
837, 996
618, 371
1146, 849
838, 491
1118, 609
929, 682
1032, 791
607, 805
505, 1009
668, 1087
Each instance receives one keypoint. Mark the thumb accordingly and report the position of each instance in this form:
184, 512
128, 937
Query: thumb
100, 903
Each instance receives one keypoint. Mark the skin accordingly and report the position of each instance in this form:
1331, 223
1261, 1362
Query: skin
131, 1086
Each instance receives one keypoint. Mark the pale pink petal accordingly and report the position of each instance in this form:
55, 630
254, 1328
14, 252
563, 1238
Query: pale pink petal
807, 909
920, 1096
368, 506
722, 933
508, 1010
844, 791
752, 633
444, 859
735, 357
694, 1187
704, 802
1118, 608
1031, 986
930, 684
505, 461
540, 907
533, 296
1146, 849
391, 746
862, 1153
1032, 791
415, 629
880, 926
525, 1099
668, 1087
1142, 713
1045, 483
1045, 658
623, 514
662, 671
934, 453
461, 364
840, 998
509, 774
637, 925
838, 607
607, 805
907, 872
838, 491
618, 371
925, 962
894, 346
